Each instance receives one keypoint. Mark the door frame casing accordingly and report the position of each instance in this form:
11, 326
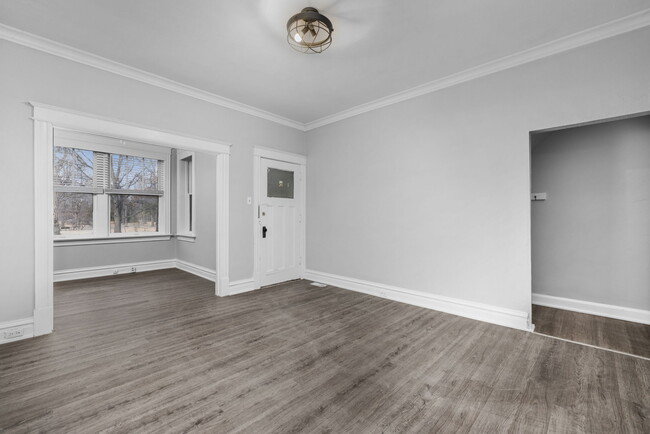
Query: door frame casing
287, 157
46, 118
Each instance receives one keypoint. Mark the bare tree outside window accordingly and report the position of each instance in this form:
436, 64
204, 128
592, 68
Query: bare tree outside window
73, 210
134, 212
131, 186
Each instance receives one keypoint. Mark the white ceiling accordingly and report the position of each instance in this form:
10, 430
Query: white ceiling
238, 49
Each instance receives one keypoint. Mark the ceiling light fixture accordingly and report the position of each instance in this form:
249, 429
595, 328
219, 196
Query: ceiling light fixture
309, 31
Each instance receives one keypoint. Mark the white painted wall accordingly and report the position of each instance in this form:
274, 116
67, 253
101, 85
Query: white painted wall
26, 74
432, 194
591, 237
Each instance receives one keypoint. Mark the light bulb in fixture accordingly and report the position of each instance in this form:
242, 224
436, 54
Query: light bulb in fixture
309, 31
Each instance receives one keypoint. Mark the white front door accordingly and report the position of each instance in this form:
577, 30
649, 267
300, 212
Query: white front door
280, 221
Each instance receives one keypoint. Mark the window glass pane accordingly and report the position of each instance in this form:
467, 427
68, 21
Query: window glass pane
135, 173
73, 213
73, 167
279, 183
134, 213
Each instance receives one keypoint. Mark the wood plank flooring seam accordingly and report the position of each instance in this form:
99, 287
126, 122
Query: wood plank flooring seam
593, 346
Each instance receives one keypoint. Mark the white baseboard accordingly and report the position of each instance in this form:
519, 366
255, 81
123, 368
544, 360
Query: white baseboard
241, 286
469, 309
197, 270
110, 270
24, 326
235, 287
600, 309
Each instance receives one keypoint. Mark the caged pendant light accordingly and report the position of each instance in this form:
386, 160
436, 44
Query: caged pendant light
309, 31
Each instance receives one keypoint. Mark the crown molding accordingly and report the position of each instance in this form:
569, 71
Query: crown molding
30, 40
594, 34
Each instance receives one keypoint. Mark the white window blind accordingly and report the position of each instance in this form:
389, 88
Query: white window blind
108, 187
75, 170
136, 175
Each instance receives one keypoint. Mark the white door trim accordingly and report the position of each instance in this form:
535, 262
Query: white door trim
288, 157
46, 118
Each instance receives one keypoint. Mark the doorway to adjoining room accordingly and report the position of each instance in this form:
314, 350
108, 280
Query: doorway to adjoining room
590, 210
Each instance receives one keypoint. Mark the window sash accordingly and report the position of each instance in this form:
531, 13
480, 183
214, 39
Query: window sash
185, 191
103, 148
135, 192
70, 189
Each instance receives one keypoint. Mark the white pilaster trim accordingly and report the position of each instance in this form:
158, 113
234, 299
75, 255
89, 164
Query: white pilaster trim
43, 320
43, 233
223, 231
465, 308
599, 309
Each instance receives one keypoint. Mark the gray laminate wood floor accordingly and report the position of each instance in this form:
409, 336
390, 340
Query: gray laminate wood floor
157, 352
614, 334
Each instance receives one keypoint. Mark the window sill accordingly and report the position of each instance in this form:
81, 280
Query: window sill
186, 238
61, 242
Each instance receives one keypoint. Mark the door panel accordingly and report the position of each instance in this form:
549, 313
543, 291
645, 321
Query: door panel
280, 215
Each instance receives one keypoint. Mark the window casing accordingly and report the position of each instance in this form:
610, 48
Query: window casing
108, 188
186, 197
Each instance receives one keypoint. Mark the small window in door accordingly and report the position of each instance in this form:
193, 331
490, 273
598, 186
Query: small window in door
279, 183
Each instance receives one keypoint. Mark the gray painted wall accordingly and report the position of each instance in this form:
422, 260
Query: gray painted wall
200, 252
70, 257
203, 250
591, 237
432, 194
30, 75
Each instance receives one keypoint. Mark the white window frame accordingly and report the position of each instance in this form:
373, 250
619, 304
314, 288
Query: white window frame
101, 201
185, 217
46, 118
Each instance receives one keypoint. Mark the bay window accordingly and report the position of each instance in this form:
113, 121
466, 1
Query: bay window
108, 188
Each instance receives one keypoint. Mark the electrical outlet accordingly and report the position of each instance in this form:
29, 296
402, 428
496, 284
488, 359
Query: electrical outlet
537, 196
14, 333
132, 269
116, 271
